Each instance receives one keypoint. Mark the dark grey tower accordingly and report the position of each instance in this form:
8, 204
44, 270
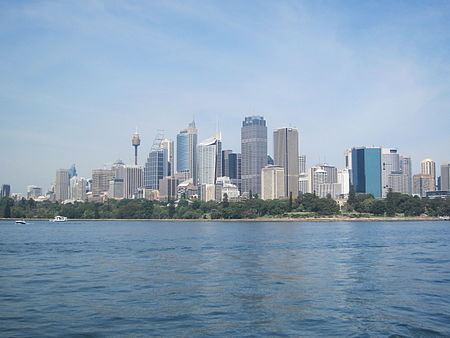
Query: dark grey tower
254, 153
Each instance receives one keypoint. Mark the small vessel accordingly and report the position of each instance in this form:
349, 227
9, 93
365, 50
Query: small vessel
21, 221
59, 219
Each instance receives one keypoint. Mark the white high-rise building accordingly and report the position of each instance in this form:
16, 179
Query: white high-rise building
343, 178
78, 187
273, 183
134, 179
209, 154
168, 146
428, 167
390, 165
62, 185
405, 168
323, 181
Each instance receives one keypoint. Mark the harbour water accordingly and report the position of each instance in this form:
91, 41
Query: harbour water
225, 279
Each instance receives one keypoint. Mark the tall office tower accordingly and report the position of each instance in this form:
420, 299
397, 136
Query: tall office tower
405, 168
133, 179
226, 163
33, 192
348, 159
254, 153
135, 142
155, 168
209, 153
343, 178
445, 176
168, 188
272, 183
167, 145
157, 163
62, 185
366, 170
428, 167
423, 183
302, 164
119, 175
6, 190
234, 169
187, 151
78, 187
100, 180
390, 165
285, 149
72, 171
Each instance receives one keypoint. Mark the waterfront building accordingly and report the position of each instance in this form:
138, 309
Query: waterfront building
33, 192
78, 187
422, 184
168, 188
62, 185
366, 170
133, 179
428, 167
187, 151
5, 191
209, 153
254, 153
168, 146
100, 180
445, 176
273, 183
285, 149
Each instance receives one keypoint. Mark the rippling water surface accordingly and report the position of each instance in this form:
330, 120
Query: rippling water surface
225, 279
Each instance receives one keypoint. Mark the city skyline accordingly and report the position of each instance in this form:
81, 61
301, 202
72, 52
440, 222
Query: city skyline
77, 78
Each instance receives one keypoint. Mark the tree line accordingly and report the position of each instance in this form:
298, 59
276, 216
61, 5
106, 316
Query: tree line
305, 205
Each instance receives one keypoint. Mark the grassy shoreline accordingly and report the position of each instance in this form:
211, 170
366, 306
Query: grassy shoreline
262, 219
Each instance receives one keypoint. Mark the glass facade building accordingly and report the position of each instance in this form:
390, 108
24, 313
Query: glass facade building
254, 153
187, 151
155, 168
366, 170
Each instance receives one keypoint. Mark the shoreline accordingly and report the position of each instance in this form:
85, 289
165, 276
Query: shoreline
298, 220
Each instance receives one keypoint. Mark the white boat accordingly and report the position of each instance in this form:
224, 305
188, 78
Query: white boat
59, 219
21, 222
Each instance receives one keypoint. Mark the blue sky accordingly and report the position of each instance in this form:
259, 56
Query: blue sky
77, 77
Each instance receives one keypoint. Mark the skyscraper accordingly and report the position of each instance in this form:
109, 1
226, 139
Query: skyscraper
272, 183
209, 154
6, 190
155, 168
390, 166
285, 149
62, 185
428, 167
366, 170
100, 180
445, 176
405, 168
72, 171
254, 153
167, 145
133, 179
117, 190
187, 150
423, 183
78, 189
